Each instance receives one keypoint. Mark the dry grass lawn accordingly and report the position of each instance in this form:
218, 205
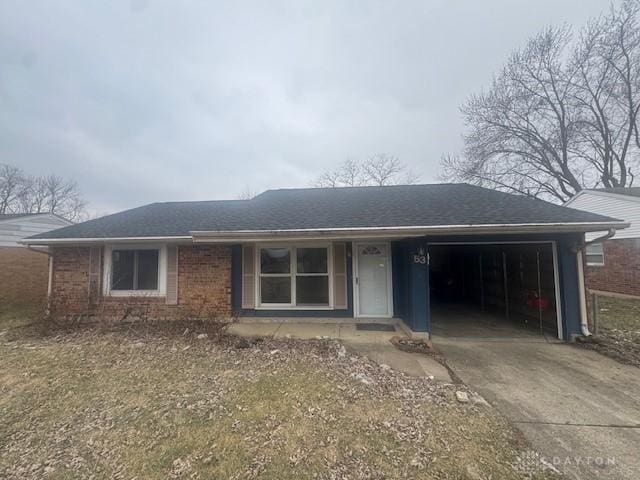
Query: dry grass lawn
618, 329
126, 403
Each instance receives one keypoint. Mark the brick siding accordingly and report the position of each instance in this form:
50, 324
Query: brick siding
23, 277
204, 287
621, 270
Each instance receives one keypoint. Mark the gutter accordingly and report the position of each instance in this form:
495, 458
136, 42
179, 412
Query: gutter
221, 236
606, 236
231, 236
584, 324
93, 240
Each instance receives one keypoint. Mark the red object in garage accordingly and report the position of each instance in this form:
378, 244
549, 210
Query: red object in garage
536, 302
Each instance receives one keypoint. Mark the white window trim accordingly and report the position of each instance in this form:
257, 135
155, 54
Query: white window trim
259, 305
587, 254
161, 291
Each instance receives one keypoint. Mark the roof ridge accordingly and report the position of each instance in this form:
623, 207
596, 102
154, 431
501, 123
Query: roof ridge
361, 187
173, 202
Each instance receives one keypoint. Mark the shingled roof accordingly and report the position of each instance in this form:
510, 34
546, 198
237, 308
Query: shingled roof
435, 205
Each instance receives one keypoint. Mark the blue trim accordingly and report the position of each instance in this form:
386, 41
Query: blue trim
569, 286
399, 281
419, 293
236, 277
410, 285
236, 291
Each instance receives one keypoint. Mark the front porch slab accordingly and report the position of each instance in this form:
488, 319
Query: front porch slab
308, 330
375, 345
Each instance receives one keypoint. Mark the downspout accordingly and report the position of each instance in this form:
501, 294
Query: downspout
584, 325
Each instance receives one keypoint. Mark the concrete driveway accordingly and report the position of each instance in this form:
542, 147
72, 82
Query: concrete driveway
579, 409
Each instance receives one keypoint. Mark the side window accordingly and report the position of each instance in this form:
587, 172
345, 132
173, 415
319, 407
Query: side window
595, 255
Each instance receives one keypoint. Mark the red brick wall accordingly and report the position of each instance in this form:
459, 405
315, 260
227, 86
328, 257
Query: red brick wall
621, 270
204, 287
23, 277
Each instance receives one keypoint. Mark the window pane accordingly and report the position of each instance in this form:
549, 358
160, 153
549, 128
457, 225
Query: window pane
312, 260
312, 290
595, 259
274, 260
147, 269
275, 289
594, 249
122, 269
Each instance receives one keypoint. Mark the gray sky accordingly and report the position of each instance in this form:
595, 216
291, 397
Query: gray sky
142, 100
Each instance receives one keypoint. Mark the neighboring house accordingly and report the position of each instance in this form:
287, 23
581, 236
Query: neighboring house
414, 255
24, 273
613, 265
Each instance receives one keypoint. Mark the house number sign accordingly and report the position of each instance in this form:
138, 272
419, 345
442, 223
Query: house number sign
420, 259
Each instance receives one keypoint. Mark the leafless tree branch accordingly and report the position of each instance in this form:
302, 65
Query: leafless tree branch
561, 115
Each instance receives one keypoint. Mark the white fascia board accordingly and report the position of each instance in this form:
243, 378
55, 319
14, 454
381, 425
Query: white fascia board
342, 233
101, 240
399, 232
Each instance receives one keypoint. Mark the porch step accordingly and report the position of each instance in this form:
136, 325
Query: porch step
375, 327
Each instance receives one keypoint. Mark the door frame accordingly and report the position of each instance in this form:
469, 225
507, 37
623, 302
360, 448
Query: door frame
356, 284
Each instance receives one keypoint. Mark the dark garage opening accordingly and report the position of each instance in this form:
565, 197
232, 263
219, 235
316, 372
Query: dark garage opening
493, 290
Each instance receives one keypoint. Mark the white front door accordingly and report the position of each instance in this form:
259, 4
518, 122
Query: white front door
373, 280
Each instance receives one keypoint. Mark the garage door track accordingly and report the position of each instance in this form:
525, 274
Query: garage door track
579, 409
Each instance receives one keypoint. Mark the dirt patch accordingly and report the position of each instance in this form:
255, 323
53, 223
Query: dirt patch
143, 401
621, 345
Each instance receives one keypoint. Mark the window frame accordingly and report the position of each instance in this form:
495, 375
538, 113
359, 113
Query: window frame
293, 274
162, 271
587, 254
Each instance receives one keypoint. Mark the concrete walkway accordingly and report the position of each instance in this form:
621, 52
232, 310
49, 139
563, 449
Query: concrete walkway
374, 345
577, 407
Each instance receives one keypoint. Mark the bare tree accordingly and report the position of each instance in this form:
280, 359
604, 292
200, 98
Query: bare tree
247, 194
560, 116
39, 194
63, 197
351, 173
11, 180
607, 94
380, 169
33, 195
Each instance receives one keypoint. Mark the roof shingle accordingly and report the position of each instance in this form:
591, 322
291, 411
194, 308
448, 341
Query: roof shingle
326, 208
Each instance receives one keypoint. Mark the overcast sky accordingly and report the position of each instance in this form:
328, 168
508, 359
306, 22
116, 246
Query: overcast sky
143, 100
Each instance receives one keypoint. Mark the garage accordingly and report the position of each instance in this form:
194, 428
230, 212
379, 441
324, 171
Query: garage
494, 290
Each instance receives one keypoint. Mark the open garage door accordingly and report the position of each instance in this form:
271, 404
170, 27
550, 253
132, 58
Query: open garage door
493, 290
